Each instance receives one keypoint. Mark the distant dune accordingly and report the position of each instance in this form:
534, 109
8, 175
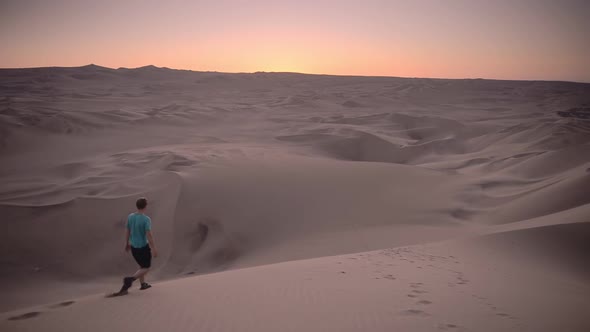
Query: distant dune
292, 202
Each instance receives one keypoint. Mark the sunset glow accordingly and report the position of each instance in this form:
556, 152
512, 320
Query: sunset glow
534, 39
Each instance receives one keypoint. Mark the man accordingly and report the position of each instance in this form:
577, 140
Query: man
139, 239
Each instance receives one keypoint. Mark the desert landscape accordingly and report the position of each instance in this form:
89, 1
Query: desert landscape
293, 202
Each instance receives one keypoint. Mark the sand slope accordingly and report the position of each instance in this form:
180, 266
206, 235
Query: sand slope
249, 169
468, 285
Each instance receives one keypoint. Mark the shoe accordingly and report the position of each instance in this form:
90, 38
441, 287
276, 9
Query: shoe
145, 285
127, 282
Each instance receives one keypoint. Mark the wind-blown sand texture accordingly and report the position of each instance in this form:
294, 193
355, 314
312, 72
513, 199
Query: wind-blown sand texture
290, 202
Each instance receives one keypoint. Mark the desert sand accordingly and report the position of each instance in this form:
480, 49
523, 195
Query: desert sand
292, 202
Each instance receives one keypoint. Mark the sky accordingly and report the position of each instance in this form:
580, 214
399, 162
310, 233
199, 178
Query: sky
502, 39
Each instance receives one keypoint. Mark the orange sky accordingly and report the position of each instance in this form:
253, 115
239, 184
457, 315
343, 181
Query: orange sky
519, 39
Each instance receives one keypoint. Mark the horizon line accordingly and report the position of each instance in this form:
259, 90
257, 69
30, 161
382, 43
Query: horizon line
299, 73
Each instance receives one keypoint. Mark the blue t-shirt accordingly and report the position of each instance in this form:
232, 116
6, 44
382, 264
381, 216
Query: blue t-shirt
138, 224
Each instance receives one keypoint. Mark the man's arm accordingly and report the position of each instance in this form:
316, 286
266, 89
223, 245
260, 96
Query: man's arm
127, 236
152, 243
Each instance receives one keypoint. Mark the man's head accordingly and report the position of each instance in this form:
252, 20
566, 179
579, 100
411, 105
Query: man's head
141, 203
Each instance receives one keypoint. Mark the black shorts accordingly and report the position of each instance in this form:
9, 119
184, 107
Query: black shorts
143, 256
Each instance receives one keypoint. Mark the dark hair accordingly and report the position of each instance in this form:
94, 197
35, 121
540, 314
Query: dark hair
141, 203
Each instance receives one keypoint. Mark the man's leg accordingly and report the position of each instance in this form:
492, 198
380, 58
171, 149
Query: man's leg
140, 274
143, 257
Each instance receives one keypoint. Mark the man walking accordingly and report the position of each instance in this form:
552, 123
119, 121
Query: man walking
139, 239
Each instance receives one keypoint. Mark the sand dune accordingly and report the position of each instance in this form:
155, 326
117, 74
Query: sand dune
244, 170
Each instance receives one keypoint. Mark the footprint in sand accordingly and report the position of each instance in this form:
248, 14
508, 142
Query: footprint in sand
25, 316
63, 304
445, 327
502, 314
461, 280
415, 312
